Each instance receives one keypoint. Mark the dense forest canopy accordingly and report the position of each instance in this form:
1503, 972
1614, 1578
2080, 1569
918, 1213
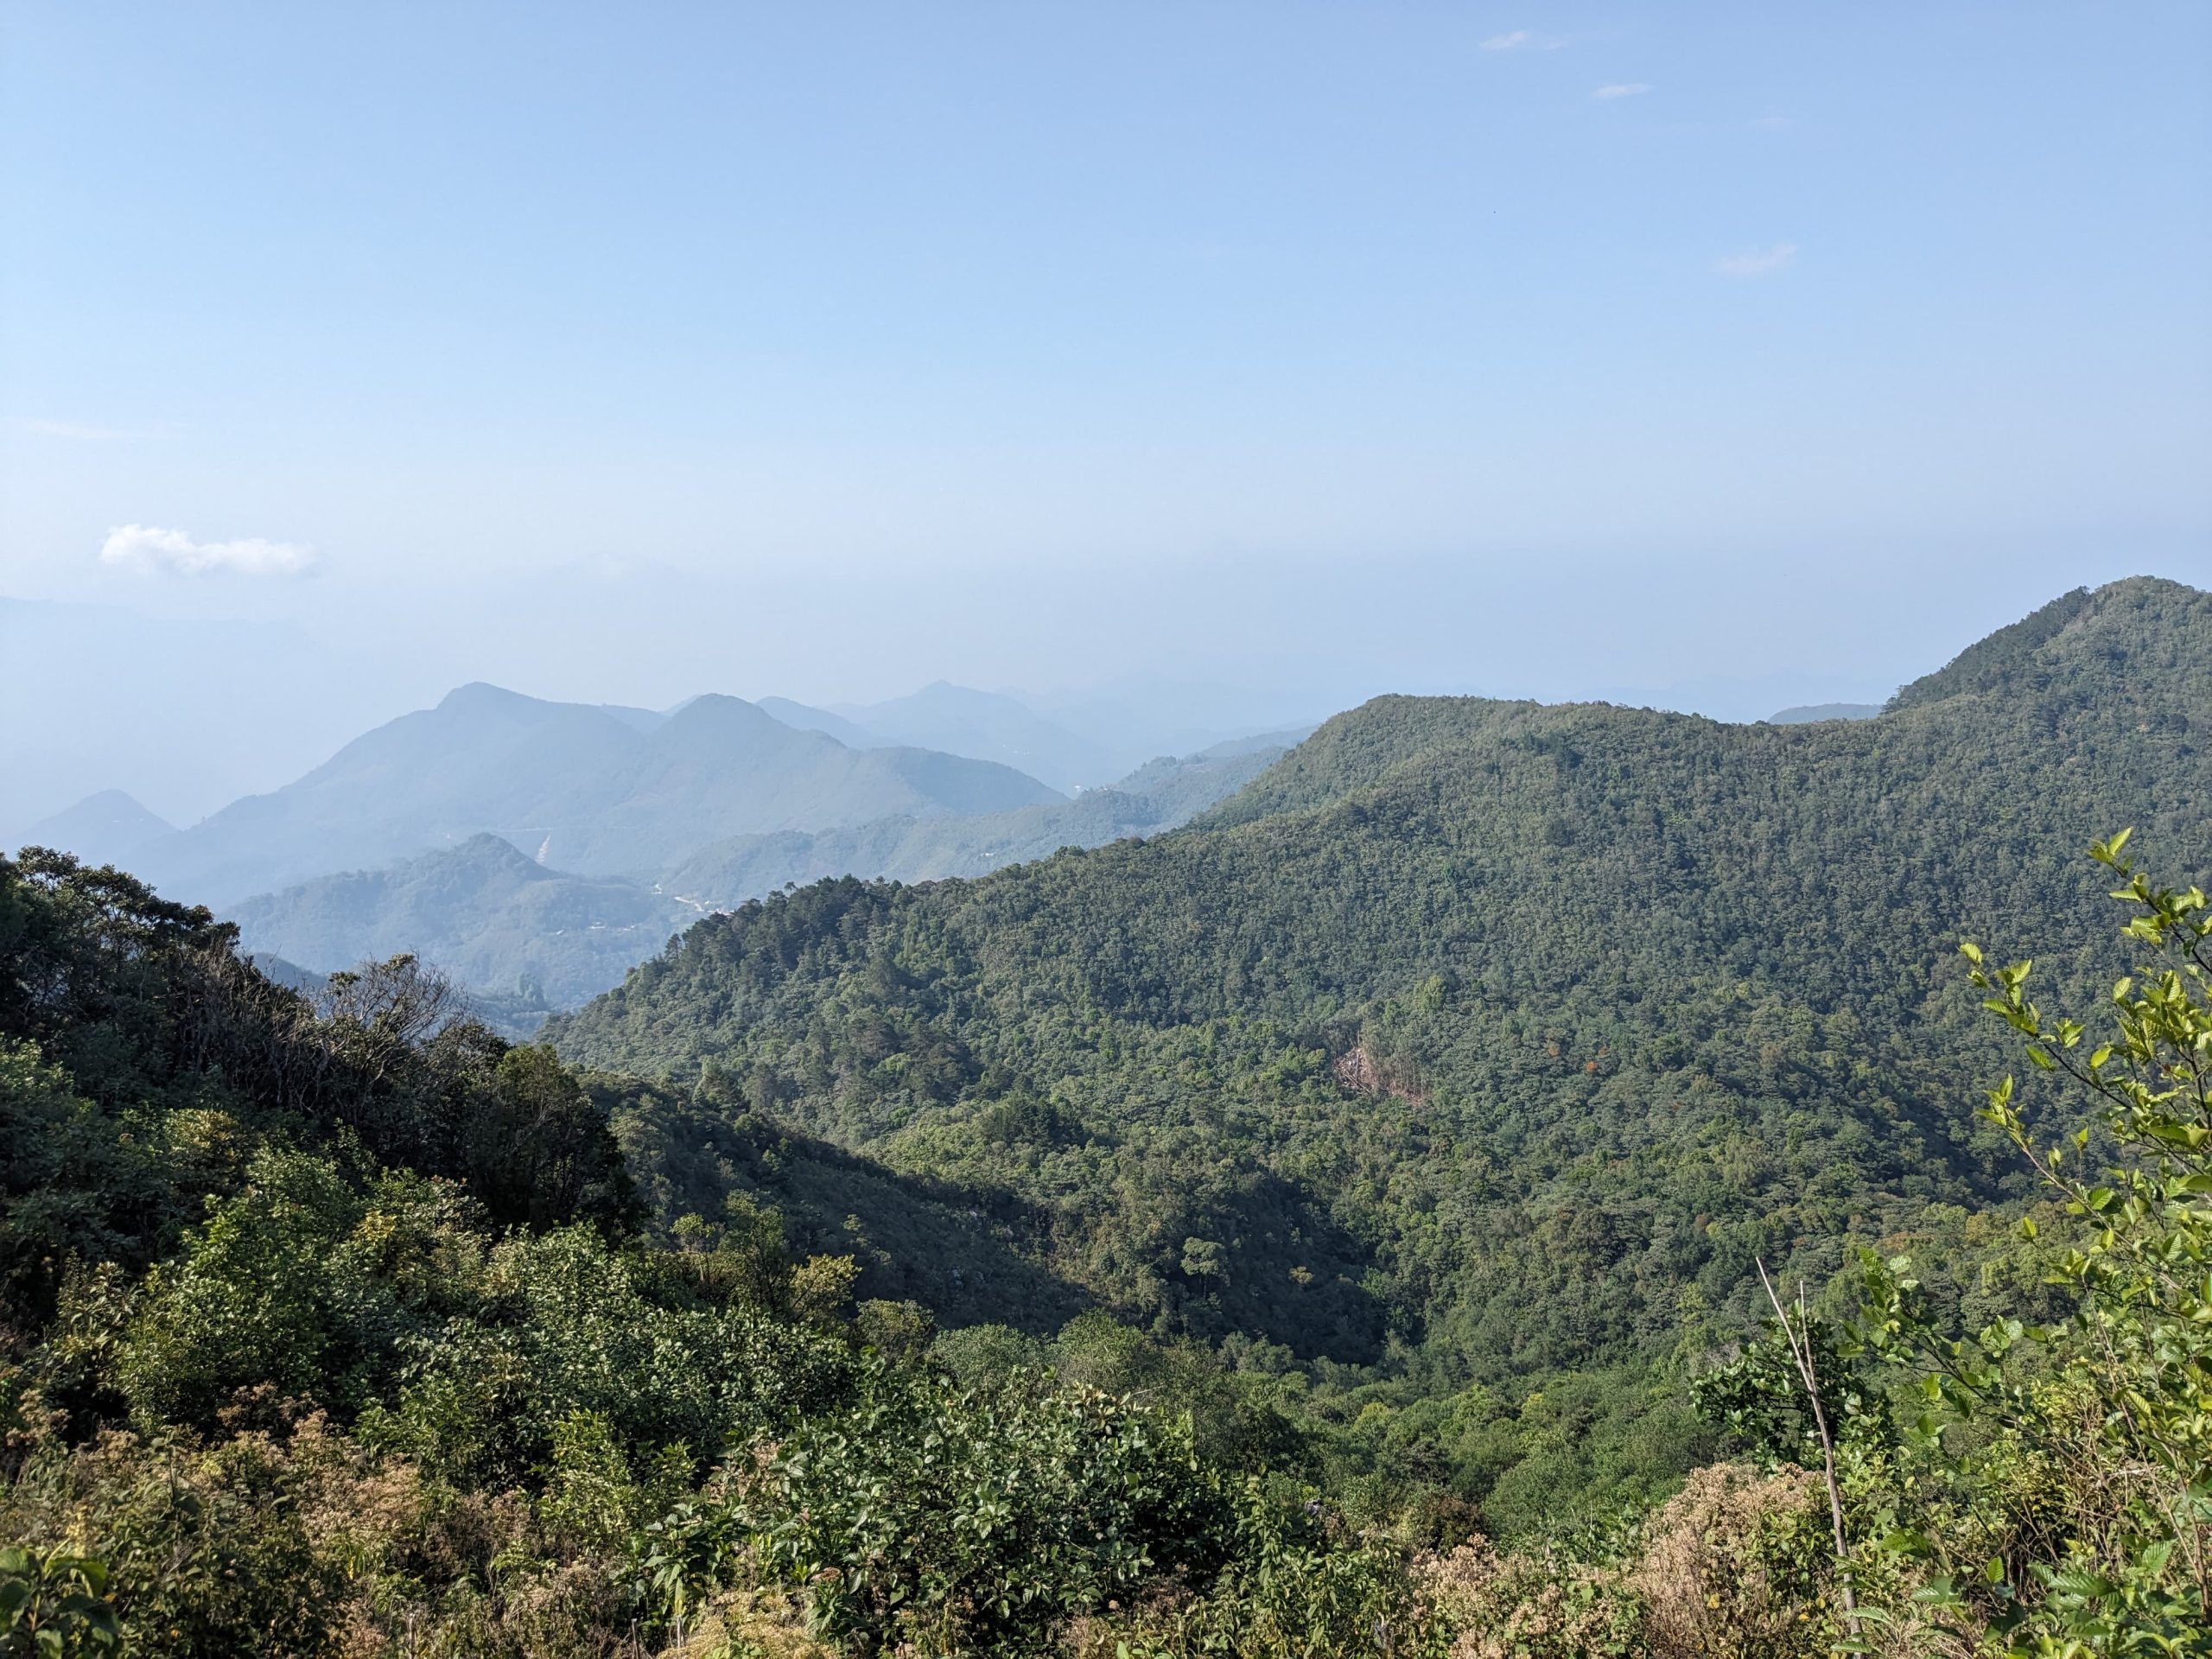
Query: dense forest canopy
1495, 1037
1506, 1183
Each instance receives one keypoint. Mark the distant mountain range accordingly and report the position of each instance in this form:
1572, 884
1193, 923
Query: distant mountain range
1806, 714
537, 849
534, 938
597, 791
1070, 743
988, 725
1159, 796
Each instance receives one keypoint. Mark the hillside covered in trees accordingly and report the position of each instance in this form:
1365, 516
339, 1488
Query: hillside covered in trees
1506, 1183
1484, 1045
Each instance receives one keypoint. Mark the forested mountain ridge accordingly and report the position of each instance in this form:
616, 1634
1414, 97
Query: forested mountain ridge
2001, 659
1513, 1032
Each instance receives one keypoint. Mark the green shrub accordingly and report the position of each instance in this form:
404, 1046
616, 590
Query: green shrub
2072, 1462
955, 1519
51, 1606
1296, 1584
567, 1324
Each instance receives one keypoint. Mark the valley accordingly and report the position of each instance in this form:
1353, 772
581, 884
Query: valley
1411, 1111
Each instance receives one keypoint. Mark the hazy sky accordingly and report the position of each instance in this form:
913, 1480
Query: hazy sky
623, 352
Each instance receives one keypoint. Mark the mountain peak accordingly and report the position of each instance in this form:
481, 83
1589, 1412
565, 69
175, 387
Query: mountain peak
485, 848
718, 712
119, 802
107, 827
2127, 617
719, 703
483, 695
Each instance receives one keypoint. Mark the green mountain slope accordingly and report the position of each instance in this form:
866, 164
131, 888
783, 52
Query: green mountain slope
286, 1289
1511, 1032
1999, 660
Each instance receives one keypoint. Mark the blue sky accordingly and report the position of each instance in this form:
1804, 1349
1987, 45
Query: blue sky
613, 351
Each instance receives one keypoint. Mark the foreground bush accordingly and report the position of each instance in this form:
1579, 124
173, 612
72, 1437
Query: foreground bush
2068, 1466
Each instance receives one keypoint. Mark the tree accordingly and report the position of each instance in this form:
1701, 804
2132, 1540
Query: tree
2113, 1553
539, 1151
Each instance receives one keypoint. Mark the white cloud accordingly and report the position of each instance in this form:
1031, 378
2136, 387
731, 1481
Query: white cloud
1524, 39
1622, 89
144, 547
1758, 262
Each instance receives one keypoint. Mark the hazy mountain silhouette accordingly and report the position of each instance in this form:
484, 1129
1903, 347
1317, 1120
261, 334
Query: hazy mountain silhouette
1159, 795
591, 790
806, 718
484, 912
987, 725
1806, 714
109, 828
507, 927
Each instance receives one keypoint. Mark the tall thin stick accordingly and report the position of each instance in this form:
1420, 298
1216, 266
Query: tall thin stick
1799, 1337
